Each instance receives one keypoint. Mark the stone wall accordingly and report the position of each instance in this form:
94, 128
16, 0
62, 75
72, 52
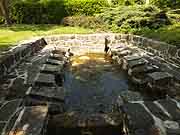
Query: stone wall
11, 58
166, 51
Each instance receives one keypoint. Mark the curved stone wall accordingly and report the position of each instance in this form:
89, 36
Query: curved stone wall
11, 58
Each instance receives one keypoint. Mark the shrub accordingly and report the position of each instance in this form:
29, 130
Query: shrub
83, 21
29, 12
2, 21
52, 11
166, 3
127, 17
85, 7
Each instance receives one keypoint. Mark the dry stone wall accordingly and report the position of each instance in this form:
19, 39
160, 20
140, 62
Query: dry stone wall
11, 58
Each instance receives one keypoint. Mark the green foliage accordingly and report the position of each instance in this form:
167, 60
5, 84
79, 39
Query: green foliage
2, 21
84, 7
166, 3
52, 11
130, 17
83, 21
38, 12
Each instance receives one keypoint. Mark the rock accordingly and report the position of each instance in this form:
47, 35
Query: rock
47, 94
7, 111
142, 69
128, 59
159, 81
159, 117
31, 120
55, 62
95, 123
45, 80
51, 69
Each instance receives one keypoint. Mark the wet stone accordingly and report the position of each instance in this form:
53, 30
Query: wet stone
143, 69
173, 108
137, 117
129, 96
51, 94
31, 120
95, 123
159, 79
152, 117
136, 63
127, 59
45, 80
50, 69
55, 62
8, 108
17, 89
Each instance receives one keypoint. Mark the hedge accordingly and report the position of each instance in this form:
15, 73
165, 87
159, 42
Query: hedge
52, 11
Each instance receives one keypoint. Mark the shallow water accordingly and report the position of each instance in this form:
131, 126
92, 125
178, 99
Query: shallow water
92, 83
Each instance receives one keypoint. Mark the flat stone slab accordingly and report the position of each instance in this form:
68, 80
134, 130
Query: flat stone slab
132, 57
135, 63
43, 79
160, 81
8, 108
31, 121
47, 94
162, 116
156, 76
143, 69
50, 69
55, 62
75, 120
7, 111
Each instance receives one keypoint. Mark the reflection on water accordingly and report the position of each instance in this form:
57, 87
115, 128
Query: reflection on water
93, 84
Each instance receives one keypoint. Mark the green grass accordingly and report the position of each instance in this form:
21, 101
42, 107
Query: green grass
15, 33
169, 34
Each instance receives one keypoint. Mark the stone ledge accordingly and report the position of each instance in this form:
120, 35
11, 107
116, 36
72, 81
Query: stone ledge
9, 59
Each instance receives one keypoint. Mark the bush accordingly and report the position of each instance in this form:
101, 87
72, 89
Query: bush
127, 17
83, 21
166, 3
85, 7
52, 11
2, 21
29, 12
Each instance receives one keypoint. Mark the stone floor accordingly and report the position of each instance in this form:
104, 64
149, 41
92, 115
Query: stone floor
33, 98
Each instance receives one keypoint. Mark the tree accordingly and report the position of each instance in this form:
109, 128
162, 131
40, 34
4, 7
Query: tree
4, 10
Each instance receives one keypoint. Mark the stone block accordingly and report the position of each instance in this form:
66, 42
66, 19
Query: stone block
143, 69
45, 80
55, 62
50, 69
136, 63
8, 108
48, 94
161, 116
31, 121
159, 78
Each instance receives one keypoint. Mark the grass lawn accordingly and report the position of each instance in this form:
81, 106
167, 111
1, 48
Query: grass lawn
169, 34
13, 34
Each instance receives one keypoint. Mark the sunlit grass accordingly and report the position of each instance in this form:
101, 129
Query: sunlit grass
13, 34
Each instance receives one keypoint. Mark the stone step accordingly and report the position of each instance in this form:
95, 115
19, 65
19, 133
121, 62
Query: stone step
43, 79
55, 62
46, 94
84, 124
31, 120
51, 69
7, 111
146, 117
159, 80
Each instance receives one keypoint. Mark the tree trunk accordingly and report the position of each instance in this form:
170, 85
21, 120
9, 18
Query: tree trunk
5, 11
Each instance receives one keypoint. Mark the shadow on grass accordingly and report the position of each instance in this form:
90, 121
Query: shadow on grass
5, 47
39, 27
